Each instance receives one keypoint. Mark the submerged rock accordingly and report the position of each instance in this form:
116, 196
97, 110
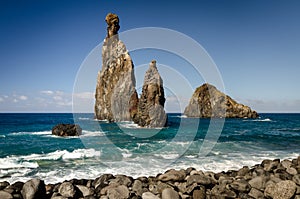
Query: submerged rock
207, 101
151, 111
116, 98
67, 130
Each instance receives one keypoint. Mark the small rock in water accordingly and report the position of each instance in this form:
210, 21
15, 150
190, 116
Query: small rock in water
67, 130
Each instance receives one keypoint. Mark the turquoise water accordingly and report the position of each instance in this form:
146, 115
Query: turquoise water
27, 148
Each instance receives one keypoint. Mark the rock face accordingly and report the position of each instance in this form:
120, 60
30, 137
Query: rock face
207, 101
151, 111
67, 130
116, 97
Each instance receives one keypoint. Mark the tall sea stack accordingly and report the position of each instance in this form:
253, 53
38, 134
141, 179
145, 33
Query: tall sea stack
116, 97
151, 111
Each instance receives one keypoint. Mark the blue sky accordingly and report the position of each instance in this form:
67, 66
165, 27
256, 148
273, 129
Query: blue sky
255, 45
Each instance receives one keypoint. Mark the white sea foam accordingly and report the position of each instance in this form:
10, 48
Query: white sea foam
32, 133
2, 136
84, 118
259, 120
128, 125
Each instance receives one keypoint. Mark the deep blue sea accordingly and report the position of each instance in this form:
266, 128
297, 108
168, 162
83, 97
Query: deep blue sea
27, 148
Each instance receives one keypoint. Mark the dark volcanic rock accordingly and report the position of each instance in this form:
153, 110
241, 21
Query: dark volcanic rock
116, 98
67, 130
207, 101
151, 111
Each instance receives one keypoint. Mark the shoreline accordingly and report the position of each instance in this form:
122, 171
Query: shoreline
269, 179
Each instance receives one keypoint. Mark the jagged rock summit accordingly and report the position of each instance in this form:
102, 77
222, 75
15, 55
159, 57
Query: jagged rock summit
151, 111
207, 101
116, 97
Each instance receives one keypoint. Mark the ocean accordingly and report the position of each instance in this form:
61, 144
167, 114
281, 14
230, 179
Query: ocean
28, 150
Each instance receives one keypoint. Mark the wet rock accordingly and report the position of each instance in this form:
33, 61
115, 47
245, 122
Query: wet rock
67, 189
169, 194
184, 188
149, 195
240, 185
296, 179
67, 130
281, 190
172, 175
85, 191
3, 185
255, 193
159, 187
5, 195
243, 171
258, 182
33, 189
122, 180
137, 187
207, 101
222, 191
199, 179
101, 182
119, 192
199, 194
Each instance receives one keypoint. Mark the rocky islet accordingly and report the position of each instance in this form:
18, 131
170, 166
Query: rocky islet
207, 102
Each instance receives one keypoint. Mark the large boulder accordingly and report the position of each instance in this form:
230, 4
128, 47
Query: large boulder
34, 189
67, 130
207, 101
151, 111
116, 97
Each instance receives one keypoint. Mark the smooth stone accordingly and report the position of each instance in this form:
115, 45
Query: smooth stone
67, 189
286, 163
58, 197
258, 182
281, 190
5, 195
184, 188
199, 194
240, 185
85, 190
199, 179
159, 187
33, 189
169, 193
291, 171
172, 175
149, 195
101, 182
296, 179
119, 192
137, 187
255, 193
122, 180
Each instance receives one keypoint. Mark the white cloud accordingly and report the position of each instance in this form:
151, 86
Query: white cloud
1, 99
15, 100
57, 98
23, 97
47, 92
84, 95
